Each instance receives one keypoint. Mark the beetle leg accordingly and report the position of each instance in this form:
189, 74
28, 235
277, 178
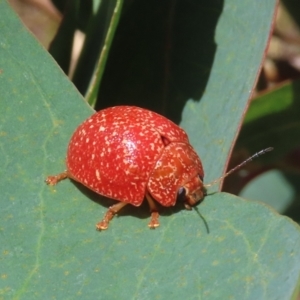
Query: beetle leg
112, 211
53, 180
187, 206
154, 213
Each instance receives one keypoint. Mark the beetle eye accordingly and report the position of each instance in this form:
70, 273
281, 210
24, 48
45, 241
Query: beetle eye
200, 177
181, 194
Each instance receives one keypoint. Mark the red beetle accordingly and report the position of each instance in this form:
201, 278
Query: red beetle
128, 153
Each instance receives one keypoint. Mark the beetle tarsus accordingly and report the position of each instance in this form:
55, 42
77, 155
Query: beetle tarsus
187, 206
154, 213
54, 179
154, 220
112, 211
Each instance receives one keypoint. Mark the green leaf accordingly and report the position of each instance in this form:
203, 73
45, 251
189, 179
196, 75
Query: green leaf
273, 188
49, 246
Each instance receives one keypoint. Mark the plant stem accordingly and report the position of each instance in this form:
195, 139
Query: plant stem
91, 95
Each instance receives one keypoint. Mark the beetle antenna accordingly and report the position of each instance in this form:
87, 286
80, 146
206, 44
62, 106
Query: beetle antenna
257, 154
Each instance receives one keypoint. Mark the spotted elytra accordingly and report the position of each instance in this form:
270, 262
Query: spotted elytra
130, 154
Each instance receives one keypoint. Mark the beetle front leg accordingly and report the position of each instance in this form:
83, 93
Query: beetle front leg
187, 206
112, 211
154, 213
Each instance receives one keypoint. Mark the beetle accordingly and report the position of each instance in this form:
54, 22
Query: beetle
129, 154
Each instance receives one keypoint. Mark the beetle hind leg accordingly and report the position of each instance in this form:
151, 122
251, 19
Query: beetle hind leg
154, 213
112, 211
54, 179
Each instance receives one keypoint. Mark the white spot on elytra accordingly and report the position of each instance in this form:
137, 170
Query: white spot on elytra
98, 174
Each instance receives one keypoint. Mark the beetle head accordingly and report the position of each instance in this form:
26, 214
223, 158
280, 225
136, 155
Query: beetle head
192, 192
